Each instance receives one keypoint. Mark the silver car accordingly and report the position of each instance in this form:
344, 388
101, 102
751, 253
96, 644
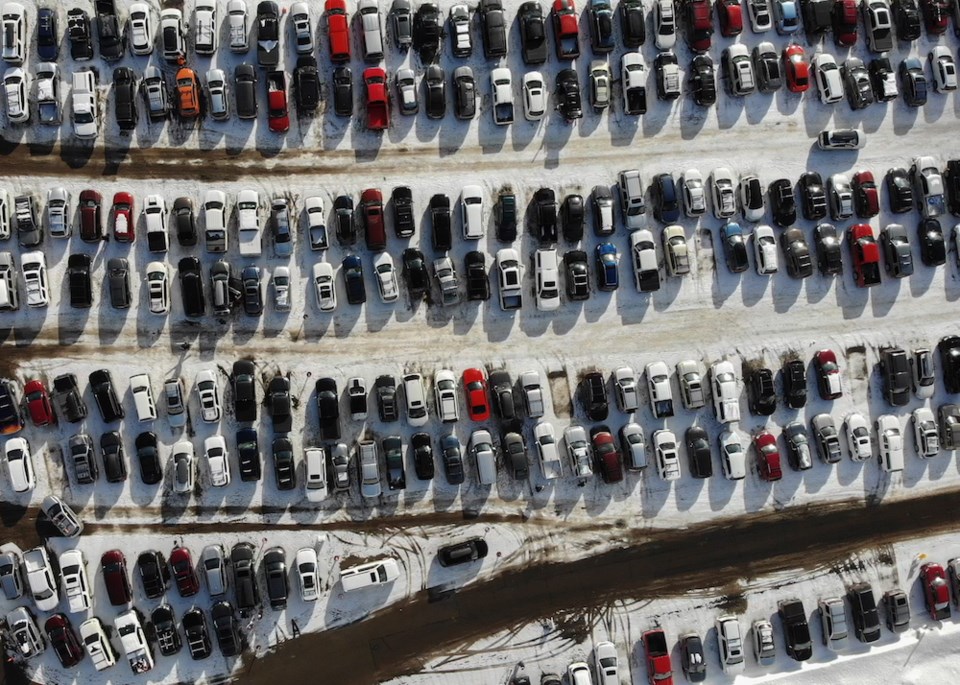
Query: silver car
24, 633
58, 212
213, 564
11, 575
219, 103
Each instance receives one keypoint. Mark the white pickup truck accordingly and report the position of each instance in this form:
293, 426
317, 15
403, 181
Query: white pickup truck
532, 393
84, 100
134, 641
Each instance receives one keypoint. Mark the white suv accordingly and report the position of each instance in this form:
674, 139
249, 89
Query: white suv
890, 439
739, 68
726, 396
547, 280
248, 213
631, 197
827, 75
445, 391
209, 395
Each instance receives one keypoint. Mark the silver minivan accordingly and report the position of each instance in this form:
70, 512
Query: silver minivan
416, 399
631, 197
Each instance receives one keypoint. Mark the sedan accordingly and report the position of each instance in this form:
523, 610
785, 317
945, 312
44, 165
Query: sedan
475, 391
724, 195
209, 395
606, 257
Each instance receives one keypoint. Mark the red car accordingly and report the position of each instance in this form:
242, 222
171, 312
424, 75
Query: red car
278, 118
865, 254
797, 68
828, 374
378, 104
475, 389
730, 16
865, 196
63, 640
699, 24
768, 456
608, 458
188, 584
371, 209
123, 222
659, 667
936, 14
91, 226
115, 577
565, 29
38, 404
338, 29
936, 592
845, 22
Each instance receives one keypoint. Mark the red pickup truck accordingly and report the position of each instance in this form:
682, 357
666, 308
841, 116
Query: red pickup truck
277, 114
659, 668
865, 254
378, 104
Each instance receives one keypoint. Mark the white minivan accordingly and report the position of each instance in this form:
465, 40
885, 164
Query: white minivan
143, 397
369, 575
416, 399
315, 463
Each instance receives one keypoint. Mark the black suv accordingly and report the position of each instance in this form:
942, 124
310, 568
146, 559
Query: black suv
125, 97
572, 213
191, 287
106, 397
248, 454
245, 578
67, 398
866, 620
949, 348
151, 472
385, 388
78, 278
593, 394
442, 233
505, 215
275, 572
306, 84
478, 283
154, 573
895, 367
244, 384
795, 384
501, 392
278, 404
227, 629
796, 629
403, 221
114, 461
533, 34
762, 398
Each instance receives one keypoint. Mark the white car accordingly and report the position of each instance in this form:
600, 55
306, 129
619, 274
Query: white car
134, 641
24, 633
173, 395
58, 212
890, 442
471, 205
546, 280
633, 81
406, 83
446, 274
209, 395
532, 388
723, 187
578, 451
761, 17
308, 577
658, 388
281, 288
218, 102
510, 277
578, 673
928, 187
34, 267
481, 447
83, 99
386, 276
925, 432
501, 83
39, 572
733, 457
858, 437
665, 24
74, 580
371, 30
140, 31
546, 441
730, 644
726, 394
694, 195
171, 35
827, 75
676, 250
691, 376
751, 198
218, 460
237, 23
98, 646
324, 286
14, 33
634, 446
215, 220
608, 666
15, 95
764, 647
248, 223
213, 564
646, 265
302, 28
315, 211
184, 466
158, 287
315, 470
625, 387
668, 462
600, 85
765, 250
445, 393
155, 219
944, 69
534, 96
841, 196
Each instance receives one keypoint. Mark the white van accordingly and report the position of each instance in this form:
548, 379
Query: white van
237, 21
143, 397
372, 33
9, 294
416, 399
369, 575
315, 464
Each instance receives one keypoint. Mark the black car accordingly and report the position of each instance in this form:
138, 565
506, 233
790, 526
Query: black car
78, 32
760, 392
593, 395
949, 349
817, 16
505, 216
427, 31
353, 279
913, 83
766, 65
796, 629
533, 35
422, 455
275, 573
866, 619
343, 91
951, 182
113, 39
895, 370
882, 78
344, 220
501, 394
67, 399
385, 390
106, 397
154, 573
601, 26
434, 84
572, 212
283, 466
577, 274
248, 454
114, 464
393, 462
856, 83
796, 252
545, 215
11, 419
794, 375
441, 234
897, 255
403, 221
184, 221
906, 14
829, 254
703, 81
568, 95
268, 34
306, 84
665, 91
783, 205
244, 382
227, 629
462, 552
48, 37
494, 28
464, 93
452, 459
813, 196
278, 404
191, 287
515, 455
151, 471
245, 578
692, 658
415, 273
633, 27
478, 282
198, 638
328, 408
165, 633
734, 247
665, 199
933, 247
78, 278
698, 452
125, 97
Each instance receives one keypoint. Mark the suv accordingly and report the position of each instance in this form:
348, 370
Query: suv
594, 396
739, 70
796, 629
895, 367
866, 620
106, 397
245, 578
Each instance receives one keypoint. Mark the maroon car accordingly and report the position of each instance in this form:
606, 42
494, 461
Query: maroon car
115, 577
936, 593
91, 225
371, 207
865, 197
123, 218
936, 15
605, 452
768, 456
63, 640
188, 584
38, 404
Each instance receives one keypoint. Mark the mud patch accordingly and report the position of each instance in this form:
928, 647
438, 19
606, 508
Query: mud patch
733, 603
857, 362
560, 393
574, 627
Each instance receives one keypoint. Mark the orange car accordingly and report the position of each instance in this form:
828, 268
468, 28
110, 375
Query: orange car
188, 93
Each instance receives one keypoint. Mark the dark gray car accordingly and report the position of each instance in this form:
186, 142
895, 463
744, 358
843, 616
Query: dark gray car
245, 91
245, 578
84, 460
465, 92
252, 294
898, 259
119, 282
11, 575
275, 571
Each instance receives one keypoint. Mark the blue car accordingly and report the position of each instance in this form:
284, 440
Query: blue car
607, 278
48, 40
734, 247
353, 279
